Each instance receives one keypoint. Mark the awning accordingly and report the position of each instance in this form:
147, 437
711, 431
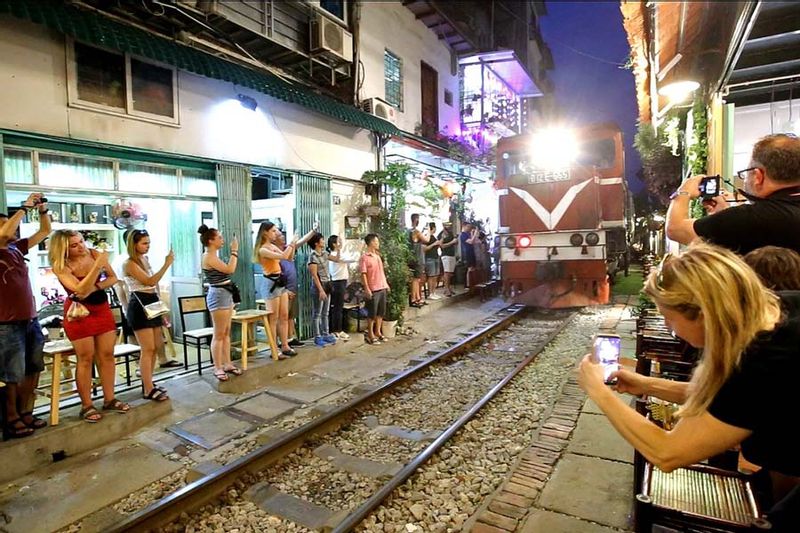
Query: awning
508, 68
92, 28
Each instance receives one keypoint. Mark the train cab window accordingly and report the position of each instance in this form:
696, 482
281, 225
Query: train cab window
601, 153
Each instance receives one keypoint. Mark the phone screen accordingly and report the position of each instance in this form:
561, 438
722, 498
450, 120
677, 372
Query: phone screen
710, 187
606, 349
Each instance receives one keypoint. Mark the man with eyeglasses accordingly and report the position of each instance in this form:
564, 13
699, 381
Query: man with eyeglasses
771, 218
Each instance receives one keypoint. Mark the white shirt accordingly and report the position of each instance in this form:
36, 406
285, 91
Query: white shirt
339, 271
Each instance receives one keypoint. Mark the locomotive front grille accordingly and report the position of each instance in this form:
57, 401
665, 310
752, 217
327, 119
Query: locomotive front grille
705, 494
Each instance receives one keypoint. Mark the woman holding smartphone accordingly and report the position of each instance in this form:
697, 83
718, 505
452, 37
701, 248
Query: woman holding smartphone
142, 285
743, 382
86, 274
219, 299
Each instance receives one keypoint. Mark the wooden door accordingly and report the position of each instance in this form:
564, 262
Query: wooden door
430, 100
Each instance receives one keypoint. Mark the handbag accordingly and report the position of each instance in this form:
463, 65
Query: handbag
77, 311
153, 310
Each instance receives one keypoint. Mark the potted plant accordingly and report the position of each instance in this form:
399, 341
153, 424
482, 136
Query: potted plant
394, 241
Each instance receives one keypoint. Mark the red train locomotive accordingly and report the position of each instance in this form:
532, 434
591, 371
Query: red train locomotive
564, 207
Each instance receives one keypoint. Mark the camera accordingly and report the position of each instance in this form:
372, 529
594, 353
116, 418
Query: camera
710, 187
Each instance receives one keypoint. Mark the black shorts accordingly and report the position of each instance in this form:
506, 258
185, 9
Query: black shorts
376, 306
135, 316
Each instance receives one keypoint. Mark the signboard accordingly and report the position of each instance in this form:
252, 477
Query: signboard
547, 176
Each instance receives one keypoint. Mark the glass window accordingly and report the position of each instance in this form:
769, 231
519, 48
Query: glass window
17, 166
75, 172
600, 153
145, 178
100, 76
199, 183
393, 75
151, 89
337, 8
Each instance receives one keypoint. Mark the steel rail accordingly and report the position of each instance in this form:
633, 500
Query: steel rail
363, 510
206, 489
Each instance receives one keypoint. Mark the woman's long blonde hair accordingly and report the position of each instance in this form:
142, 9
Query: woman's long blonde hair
714, 283
58, 251
130, 243
261, 239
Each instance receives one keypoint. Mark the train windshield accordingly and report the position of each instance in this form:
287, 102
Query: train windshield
600, 153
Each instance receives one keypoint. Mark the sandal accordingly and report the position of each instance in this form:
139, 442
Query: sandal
17, 429
90, 415
157, 394
33, 422
371, 341
116, 406
383, 339
172, 363
221, 374
289, 352
235, 370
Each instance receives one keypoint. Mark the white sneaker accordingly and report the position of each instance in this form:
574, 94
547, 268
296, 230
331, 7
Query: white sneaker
434, 297
343, 336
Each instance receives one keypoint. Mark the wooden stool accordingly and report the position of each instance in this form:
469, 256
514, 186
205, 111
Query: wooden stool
249, 317
57, 350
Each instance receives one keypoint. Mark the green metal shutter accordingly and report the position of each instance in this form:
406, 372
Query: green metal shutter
234, 191
313, 202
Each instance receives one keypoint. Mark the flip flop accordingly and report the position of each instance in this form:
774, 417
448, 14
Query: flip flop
221, 375
235, 370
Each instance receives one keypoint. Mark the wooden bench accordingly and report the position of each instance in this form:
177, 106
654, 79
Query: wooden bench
250, 317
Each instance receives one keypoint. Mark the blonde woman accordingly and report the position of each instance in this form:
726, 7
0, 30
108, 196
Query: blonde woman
219, 299
86, 274
142, 285
267, 253
743, 383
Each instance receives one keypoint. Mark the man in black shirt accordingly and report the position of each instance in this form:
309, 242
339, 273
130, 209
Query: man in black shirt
771, 183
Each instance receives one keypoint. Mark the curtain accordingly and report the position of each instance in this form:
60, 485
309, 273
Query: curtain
234, 205
75, 172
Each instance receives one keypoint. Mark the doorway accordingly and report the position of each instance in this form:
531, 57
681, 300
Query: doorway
430, 100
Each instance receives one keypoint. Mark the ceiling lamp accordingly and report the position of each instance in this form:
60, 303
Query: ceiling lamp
678, 91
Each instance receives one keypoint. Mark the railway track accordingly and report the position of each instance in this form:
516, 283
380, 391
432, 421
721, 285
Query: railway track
354, 457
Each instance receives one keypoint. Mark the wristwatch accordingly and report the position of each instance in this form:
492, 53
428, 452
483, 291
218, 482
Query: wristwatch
678, 193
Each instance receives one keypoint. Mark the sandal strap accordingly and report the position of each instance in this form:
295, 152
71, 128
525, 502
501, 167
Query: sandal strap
86, 412
115, 405
156, 393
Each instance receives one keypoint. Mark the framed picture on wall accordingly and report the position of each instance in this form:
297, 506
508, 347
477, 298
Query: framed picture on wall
72, 213
95, 214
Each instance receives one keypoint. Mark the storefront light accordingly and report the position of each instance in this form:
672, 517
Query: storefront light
678, 91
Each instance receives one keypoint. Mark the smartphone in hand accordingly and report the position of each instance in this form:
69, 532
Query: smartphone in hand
606, 352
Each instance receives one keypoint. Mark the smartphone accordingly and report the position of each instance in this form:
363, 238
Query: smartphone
710, 187
606, 350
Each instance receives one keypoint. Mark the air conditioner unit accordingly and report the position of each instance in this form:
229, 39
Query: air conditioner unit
330, 39
380, 108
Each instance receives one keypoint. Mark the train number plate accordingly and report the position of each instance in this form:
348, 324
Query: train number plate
546, 176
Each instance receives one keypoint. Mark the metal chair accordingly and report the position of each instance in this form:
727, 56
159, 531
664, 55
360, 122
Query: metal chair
188, 305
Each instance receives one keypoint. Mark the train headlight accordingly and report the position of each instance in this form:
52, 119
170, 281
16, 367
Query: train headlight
554, 148
524, 241
576, 239
511, 242
592, 238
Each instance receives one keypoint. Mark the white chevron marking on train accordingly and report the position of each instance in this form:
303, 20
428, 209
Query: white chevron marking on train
551, 219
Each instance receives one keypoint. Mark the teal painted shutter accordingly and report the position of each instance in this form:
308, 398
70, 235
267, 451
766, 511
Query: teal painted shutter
234, 193
313, 201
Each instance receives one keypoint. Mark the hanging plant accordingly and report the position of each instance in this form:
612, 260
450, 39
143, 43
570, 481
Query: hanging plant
661, 168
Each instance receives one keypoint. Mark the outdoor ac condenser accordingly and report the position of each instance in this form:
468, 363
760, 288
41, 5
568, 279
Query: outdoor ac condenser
380, 108
330, 39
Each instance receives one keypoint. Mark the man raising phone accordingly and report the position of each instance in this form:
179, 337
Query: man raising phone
771, 183
21, 339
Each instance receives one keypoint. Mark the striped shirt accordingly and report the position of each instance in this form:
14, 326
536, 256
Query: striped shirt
214, 277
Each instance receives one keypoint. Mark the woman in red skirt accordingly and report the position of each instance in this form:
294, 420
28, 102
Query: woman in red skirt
86, 274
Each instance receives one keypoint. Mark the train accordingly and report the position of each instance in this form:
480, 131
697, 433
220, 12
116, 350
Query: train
564, 215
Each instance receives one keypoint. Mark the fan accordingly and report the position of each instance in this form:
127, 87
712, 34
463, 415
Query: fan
127, 214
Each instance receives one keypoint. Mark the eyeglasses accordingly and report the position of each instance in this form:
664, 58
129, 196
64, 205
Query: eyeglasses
744, 173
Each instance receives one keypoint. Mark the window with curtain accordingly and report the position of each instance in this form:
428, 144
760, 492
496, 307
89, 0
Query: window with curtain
135, 177
17, 166
198, 182
75, 172
393, 76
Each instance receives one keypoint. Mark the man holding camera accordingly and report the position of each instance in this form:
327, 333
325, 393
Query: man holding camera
772, 218
21, 339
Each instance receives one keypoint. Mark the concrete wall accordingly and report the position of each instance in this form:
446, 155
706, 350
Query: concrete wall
389, 25
753, 122
33, 97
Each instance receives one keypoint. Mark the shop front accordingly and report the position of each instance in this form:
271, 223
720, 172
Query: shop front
103, 193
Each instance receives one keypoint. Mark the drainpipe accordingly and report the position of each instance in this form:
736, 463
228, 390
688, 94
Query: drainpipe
355, 25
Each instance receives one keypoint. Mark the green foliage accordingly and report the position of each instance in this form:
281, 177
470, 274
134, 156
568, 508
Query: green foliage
697, 151
392, 234
661, 167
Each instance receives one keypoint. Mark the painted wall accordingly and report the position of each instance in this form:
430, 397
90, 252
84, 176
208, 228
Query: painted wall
389, 25
753, 122
33, 96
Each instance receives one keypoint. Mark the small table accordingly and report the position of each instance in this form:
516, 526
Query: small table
247, 317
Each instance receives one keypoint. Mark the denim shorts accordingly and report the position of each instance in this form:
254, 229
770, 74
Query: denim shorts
218, 299
271, 292
21, 345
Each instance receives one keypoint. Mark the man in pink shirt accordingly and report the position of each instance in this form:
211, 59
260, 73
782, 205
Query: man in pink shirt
375, 287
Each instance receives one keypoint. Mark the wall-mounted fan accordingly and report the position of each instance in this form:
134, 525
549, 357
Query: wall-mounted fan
127, 214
